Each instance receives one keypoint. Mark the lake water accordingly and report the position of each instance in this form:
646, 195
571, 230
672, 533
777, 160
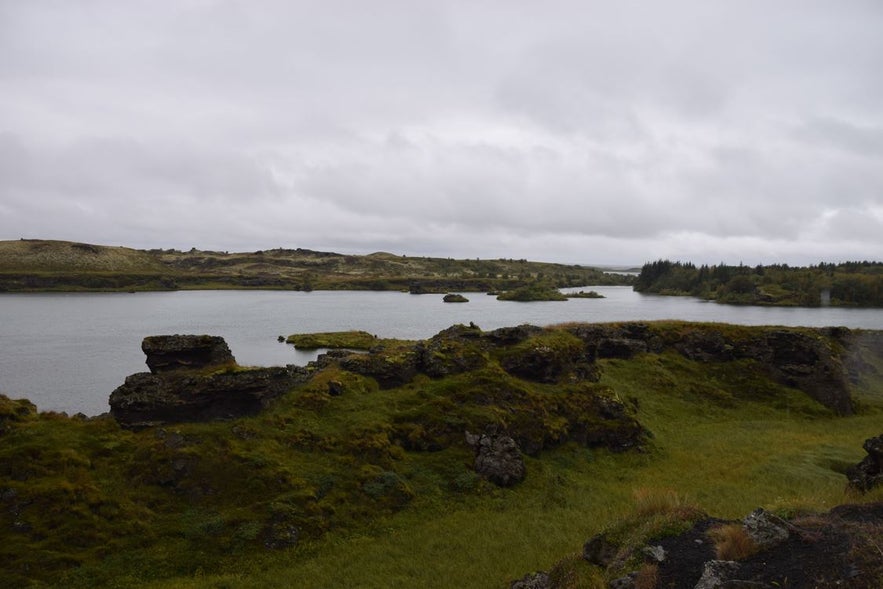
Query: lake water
67, 352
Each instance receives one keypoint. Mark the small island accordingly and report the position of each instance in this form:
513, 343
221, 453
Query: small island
533, 292
584, 295
455, 298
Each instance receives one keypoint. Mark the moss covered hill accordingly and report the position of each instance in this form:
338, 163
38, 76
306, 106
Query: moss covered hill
465, 460
33, 265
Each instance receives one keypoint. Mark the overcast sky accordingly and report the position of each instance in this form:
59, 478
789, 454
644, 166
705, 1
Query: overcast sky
577, 131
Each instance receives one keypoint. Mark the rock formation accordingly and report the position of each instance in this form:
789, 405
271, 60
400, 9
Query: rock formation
195, 378
497, 458
868, 473
166, 353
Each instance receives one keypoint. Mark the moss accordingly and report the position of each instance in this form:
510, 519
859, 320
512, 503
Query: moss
532, 292
356, 486
353, 340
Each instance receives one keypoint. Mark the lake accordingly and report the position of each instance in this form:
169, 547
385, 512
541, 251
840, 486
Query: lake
67, 352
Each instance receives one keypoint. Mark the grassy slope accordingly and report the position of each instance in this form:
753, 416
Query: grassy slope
728, 457
727, 440
31, 265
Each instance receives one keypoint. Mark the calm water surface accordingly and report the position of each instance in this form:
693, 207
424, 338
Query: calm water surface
67, 352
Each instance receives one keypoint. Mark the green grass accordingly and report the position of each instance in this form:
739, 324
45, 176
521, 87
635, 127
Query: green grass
355, 340
192, 505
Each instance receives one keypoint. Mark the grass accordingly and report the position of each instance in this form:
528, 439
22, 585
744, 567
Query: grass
355, 340
191, 505
732, 542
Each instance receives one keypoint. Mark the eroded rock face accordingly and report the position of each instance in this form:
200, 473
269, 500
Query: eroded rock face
868, 473
166, 353
176, 392
497, 458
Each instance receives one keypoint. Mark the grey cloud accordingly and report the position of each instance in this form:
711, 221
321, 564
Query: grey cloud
564, 130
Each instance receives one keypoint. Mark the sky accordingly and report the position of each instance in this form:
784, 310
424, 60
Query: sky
597, 132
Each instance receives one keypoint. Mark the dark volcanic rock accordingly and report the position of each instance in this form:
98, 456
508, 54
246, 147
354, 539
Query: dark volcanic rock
805, 362
150, 399
705, 346
868, 473
454, 350
389, 368
175, 392
497, 458
455, 298
174, 352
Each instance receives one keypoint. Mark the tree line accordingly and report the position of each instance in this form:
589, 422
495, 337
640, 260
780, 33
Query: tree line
856, 283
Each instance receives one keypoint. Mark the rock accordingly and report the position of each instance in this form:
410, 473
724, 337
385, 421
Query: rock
705, 346
765, 529
497, 458
389, 368
455, 350
152, 399
600, 551
717, 572
805, 362
655, 554
172, 394
547, 358
868, 473
167, 353
335, 388
506, 336
538, 580
455, 298
626, 582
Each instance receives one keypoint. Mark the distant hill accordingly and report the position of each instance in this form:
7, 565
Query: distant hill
44, 265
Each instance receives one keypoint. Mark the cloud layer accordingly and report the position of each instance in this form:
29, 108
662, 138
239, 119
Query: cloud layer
590, 132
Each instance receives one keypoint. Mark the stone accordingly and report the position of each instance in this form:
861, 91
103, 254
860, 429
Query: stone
174, 394
600, 551
717, 572
335, 388
166, 353
389, 369
497, 458
626, 582
765, 529
655, 554
538, 580
868, 473
455, 298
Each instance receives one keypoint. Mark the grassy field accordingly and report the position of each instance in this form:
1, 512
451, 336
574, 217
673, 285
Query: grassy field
87, 504
42, 265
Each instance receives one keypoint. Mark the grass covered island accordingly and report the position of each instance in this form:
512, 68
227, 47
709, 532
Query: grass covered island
572, 455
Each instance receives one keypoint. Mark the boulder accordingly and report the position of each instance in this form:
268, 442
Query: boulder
497, 458
455, 298
716, 573
765, 529
151, 399
868, 473
600, 551
174, 392
166, 353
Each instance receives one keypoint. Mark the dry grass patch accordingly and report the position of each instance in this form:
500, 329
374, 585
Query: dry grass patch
732, 542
